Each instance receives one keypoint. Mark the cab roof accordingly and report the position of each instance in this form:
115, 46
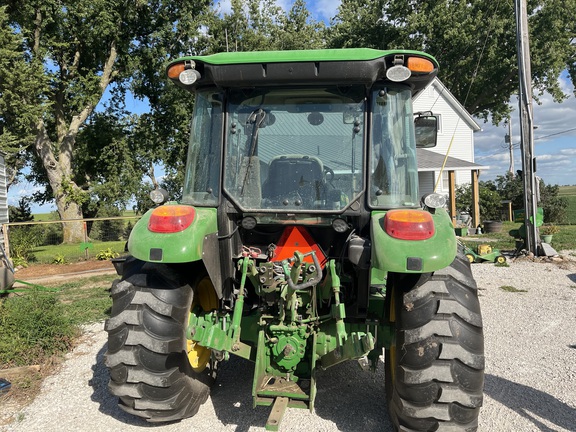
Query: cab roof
300, 67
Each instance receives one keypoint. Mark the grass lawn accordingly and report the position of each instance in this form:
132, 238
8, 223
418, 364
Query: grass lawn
70, 253
569, 192
571, 210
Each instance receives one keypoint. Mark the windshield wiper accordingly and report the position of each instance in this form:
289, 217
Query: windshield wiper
256, 118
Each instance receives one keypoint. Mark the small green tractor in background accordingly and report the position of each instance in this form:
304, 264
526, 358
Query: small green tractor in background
484, 253
300, 242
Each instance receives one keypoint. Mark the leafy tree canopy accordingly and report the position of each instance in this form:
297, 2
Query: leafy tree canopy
474, 41
72, 53
60, 59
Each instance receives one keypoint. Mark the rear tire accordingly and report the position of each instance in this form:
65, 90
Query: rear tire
147, 356
435, 367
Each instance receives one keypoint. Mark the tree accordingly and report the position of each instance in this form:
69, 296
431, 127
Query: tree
552, 203
474, 42
19, 80
20, 212
510, 187
251, 25
255, 25
77, 50
489, 200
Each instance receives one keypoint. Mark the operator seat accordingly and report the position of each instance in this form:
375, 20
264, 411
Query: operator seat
295, 177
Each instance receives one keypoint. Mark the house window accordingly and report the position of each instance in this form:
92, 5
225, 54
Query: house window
445, 184
439, 122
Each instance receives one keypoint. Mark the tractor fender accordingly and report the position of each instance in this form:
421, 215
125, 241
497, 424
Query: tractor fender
390, 254
199, 241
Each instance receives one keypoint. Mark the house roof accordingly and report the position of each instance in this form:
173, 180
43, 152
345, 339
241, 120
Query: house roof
454, 103
430, 161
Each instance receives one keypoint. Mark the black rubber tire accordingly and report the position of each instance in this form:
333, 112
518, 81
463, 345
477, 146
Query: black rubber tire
435, 368
149, 367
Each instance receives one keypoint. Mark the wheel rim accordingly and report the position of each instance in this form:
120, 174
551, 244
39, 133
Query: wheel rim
501, 260
205, 297
470, 258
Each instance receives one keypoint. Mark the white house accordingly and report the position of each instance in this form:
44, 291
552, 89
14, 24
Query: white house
456, 129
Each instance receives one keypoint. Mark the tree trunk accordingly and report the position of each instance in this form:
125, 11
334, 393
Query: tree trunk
65, 191
73, 231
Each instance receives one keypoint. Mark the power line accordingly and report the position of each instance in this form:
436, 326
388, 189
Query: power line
517, 144
556, 133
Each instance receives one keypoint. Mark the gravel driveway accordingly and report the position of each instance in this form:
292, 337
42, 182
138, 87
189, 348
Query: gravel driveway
530, 373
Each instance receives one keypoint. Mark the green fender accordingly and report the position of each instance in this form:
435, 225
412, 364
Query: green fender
412, 256
180, 247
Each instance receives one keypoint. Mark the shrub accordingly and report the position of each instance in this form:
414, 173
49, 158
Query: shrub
490, 201
59, 259
23, 240
549, 229
106, 254
510, 187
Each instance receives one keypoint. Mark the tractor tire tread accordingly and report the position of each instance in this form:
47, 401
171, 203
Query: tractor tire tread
439, 373
149, 369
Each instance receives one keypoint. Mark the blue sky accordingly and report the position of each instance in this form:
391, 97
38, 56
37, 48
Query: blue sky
554, 145
554, 140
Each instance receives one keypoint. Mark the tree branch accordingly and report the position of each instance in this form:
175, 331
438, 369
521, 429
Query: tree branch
108, 75
37, 30
152, 175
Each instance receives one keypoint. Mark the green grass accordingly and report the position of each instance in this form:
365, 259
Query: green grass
74, 252
571, 210
569, 192
37, 325
86, 300
43, 217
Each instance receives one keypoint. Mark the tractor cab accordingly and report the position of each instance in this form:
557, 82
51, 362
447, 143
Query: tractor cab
296, 141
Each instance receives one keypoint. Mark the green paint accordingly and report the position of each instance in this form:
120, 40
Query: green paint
390, 254
179, 247
346, 54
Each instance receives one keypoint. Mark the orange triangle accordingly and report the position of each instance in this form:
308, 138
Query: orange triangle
295, 238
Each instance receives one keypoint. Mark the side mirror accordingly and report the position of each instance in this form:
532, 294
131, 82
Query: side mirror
426, 128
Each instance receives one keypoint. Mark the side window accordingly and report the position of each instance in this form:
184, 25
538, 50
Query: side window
202, 182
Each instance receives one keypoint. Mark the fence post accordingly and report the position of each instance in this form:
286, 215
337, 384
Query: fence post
6, 241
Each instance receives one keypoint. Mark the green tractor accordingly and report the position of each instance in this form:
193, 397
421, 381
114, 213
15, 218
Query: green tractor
300, 242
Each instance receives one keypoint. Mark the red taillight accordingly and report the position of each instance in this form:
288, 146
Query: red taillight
409, 224
171, 218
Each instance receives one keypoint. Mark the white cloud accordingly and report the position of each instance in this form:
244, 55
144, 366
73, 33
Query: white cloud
554, 140
323, 9
223, 7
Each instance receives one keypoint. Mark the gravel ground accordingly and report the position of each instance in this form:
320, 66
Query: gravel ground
530, 373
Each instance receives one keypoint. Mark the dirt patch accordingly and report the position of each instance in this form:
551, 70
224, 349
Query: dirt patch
40, 271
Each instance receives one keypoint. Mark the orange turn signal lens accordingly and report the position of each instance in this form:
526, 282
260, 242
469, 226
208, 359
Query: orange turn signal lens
171, 218
420, 65
409, 224
175, 70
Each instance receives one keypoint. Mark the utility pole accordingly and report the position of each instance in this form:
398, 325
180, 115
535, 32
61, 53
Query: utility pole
508, 140
526, 127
